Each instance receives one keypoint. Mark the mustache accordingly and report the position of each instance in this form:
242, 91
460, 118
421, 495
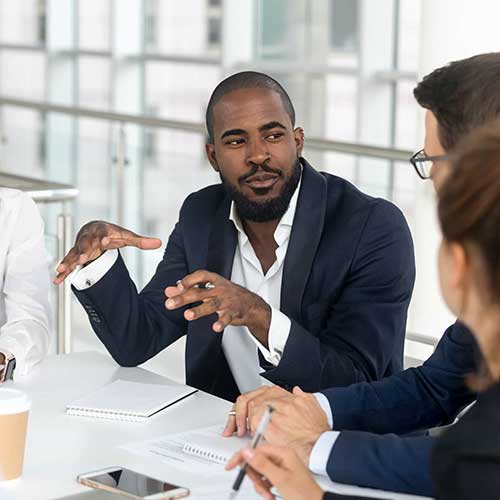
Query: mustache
265, 168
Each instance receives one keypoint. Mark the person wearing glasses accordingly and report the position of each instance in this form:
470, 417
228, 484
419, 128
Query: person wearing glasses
356, 434
466, 458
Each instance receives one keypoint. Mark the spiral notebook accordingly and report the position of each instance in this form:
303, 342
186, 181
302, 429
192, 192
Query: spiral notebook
129, 401
209, 444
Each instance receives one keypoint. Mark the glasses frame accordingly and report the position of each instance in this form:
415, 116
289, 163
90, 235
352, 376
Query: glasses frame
420, 157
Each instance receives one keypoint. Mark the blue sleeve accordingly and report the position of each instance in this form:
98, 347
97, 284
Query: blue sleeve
417, 398
365, 328
386, 462
135, 326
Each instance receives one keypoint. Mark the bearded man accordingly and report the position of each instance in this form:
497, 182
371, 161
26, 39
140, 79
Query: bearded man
278, 274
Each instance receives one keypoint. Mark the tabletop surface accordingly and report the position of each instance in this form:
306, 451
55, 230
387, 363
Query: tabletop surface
59, 446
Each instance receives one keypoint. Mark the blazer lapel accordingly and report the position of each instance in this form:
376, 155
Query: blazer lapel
304, 240
220, 256
222, 242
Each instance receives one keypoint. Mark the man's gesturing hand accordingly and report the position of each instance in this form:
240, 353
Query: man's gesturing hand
233, 304
96, 237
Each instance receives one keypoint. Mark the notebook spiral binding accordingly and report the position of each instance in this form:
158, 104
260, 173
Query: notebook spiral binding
104, 414
204, 453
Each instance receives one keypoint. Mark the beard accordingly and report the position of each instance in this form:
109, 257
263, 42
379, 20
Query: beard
267, 210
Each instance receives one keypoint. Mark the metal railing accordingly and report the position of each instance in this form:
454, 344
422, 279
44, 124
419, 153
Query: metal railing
356, 149
42, 191
51, 192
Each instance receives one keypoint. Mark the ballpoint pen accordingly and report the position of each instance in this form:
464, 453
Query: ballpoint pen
261, 429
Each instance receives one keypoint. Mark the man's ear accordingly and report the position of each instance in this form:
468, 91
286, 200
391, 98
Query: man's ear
210, 150
298, 134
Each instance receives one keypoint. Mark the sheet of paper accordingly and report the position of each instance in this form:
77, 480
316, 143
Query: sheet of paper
168, 449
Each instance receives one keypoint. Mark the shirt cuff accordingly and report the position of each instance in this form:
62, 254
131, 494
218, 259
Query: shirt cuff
321, 452
325, 406
279, 329
85, 276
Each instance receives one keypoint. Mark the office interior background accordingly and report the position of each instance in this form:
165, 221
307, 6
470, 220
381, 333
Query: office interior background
109, 96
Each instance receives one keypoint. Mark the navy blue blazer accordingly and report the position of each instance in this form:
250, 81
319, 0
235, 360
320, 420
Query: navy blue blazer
365, 454
347, 281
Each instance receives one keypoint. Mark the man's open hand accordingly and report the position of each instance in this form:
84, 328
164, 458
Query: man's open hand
96, 237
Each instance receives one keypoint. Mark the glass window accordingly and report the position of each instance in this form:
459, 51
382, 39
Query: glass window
94, 80
344, 20
180, 91
22, 22
23, 74
94, 24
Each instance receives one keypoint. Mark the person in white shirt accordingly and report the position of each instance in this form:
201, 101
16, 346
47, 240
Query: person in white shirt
24, 285
277, 274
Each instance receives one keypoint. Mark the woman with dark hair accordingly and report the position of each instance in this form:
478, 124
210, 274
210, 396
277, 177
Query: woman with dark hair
466, 459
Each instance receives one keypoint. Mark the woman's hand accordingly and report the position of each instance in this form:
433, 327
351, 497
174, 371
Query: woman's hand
280, 467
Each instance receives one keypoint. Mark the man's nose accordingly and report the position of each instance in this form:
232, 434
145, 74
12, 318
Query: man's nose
257, 152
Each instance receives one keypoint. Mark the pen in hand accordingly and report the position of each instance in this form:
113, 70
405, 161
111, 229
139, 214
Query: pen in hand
259, 434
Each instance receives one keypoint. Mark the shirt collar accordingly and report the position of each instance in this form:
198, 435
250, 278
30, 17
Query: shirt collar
286, 220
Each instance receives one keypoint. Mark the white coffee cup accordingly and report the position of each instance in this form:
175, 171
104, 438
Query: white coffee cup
14, 409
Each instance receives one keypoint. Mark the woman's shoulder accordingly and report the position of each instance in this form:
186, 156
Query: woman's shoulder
479, 429
466, 457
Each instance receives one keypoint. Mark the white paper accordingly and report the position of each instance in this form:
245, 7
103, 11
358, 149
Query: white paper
169, 449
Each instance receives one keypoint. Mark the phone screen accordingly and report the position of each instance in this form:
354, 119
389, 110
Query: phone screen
132, 482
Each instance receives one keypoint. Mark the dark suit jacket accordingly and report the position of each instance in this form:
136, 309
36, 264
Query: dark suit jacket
347, 280
466, 459
365, 453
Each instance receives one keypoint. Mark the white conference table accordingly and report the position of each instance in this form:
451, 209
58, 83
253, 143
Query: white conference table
59, 447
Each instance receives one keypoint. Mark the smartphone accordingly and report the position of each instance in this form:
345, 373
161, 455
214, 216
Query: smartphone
131, 484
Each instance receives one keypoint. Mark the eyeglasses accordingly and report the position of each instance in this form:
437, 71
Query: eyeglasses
423, 163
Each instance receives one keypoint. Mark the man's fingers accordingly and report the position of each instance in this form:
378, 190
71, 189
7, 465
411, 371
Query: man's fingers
190, 297
209, 307
142, 242
67, 265
197, 278
230, 427
225, 319
172, 291
241, 408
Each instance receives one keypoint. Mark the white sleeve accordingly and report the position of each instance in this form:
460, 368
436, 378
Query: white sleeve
26, 332
325, 406
85, 276
279, 329
321, 452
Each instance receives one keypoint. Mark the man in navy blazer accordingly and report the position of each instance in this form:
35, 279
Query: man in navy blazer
333, 312
364, 434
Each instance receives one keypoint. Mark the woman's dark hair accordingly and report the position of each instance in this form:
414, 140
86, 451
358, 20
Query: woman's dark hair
469, 214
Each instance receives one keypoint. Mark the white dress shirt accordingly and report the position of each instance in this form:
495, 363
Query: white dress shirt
24, 281
323, 447
239, 345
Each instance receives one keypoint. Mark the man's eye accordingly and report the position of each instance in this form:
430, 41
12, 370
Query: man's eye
274, 137
235, 142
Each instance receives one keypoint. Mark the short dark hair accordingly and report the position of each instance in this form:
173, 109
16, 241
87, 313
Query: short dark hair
462, 95
245, 80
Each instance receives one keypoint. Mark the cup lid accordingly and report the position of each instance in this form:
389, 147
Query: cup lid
13, 401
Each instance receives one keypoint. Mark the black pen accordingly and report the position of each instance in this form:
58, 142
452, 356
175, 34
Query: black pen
266, 418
